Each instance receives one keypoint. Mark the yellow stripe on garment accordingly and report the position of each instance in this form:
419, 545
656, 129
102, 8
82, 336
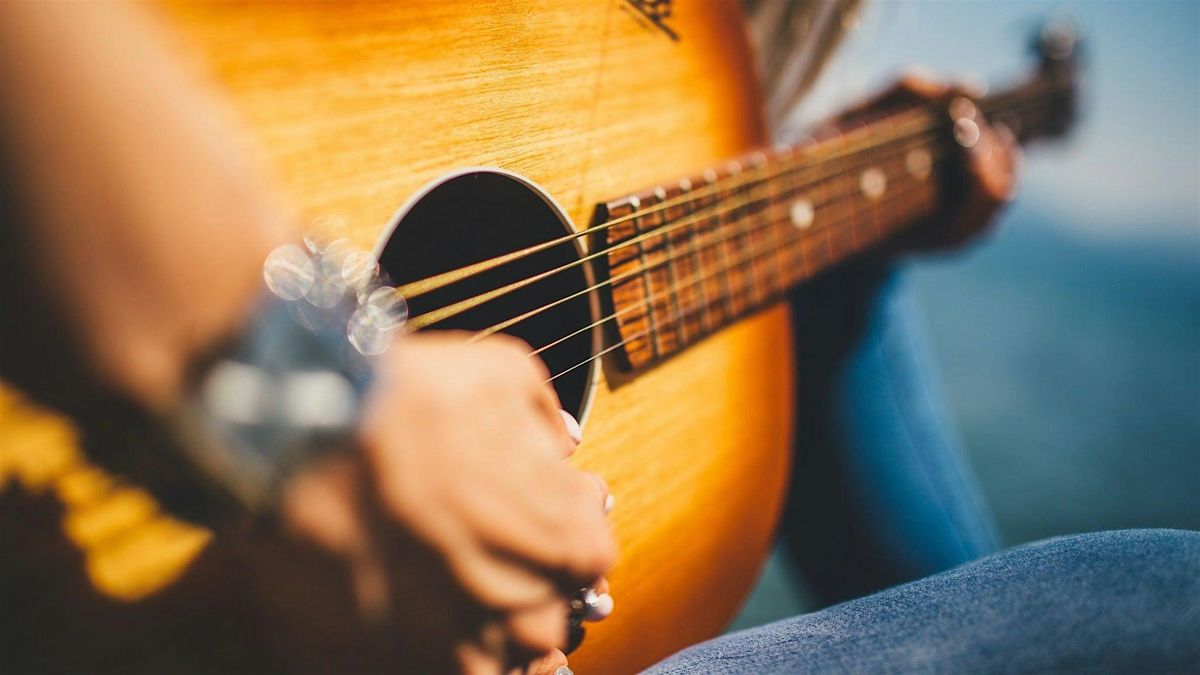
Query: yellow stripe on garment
131, 547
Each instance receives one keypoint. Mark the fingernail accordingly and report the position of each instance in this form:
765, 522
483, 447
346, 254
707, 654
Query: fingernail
600, 607
609, 502
573, 429
563, 670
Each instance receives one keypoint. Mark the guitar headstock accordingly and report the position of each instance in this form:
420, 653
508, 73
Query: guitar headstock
1046, 105
1058, 47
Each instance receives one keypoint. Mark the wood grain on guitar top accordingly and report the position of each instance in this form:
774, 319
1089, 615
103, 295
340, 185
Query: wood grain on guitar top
360, 105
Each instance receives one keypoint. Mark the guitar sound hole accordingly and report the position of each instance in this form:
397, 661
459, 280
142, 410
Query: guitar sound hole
477, 216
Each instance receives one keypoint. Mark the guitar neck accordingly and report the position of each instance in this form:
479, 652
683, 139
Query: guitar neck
690, 257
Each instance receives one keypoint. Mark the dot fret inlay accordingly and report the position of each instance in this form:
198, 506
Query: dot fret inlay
873, 183
919, 163
802, 213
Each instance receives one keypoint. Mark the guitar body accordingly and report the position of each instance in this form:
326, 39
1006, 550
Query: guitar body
360, 107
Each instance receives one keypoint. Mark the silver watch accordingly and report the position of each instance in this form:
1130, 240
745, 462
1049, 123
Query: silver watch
289, 388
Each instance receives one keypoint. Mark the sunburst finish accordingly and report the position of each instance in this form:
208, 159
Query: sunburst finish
360, 105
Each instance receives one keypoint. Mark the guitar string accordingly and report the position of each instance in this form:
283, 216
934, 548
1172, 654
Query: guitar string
789, 163
694, 249
712, 274
718, 207
445, 312
700, 244
678, 314
1009, 102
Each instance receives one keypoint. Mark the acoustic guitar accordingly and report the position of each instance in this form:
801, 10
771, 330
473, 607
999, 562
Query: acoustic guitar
592, 176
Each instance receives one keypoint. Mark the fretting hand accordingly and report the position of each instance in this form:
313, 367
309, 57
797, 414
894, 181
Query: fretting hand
986, 177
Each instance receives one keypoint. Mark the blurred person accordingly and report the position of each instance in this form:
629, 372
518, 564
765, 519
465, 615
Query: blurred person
103, 322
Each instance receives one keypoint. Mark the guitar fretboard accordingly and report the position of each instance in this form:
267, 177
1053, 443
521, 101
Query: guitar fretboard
690, 257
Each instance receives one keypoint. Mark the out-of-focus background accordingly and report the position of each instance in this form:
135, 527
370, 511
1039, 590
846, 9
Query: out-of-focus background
1069, 342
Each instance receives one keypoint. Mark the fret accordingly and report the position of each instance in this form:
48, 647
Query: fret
910, 203
784, 229
906, 169
630, 295
683, 249
659, 273
804, 208
867, 225
742, 225
778, 234
893, 205
875, 182
763, 271
731, 237
804, 214
921, 164
820, 248
652, 254
845, 199
774, 217
914, 170
715, 254
911, 187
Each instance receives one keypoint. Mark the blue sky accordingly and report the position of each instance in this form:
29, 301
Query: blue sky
1133, 167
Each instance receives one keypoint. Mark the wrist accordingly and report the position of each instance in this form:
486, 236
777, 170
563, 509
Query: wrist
290, 387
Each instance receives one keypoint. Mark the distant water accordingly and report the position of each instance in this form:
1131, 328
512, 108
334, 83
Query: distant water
1072, 367
1073, 370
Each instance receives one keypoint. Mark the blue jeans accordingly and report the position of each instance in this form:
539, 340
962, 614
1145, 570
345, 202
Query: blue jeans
1123, 602
880, 491
881, 495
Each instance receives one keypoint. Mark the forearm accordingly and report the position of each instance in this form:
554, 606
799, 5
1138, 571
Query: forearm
145, 224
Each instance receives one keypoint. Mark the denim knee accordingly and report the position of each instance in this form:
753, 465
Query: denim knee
1124, 601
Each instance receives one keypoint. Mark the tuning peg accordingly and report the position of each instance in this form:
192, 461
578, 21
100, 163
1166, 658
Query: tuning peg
1057, 40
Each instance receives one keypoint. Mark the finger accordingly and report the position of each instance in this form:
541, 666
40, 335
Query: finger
592, 549
603, 495
545, 401
990, 164
556, 527
921, 83
475, 659
574, 430
985, 194
539, 629
322, 504
516, 359
565, 539
497, 581
1016, 157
